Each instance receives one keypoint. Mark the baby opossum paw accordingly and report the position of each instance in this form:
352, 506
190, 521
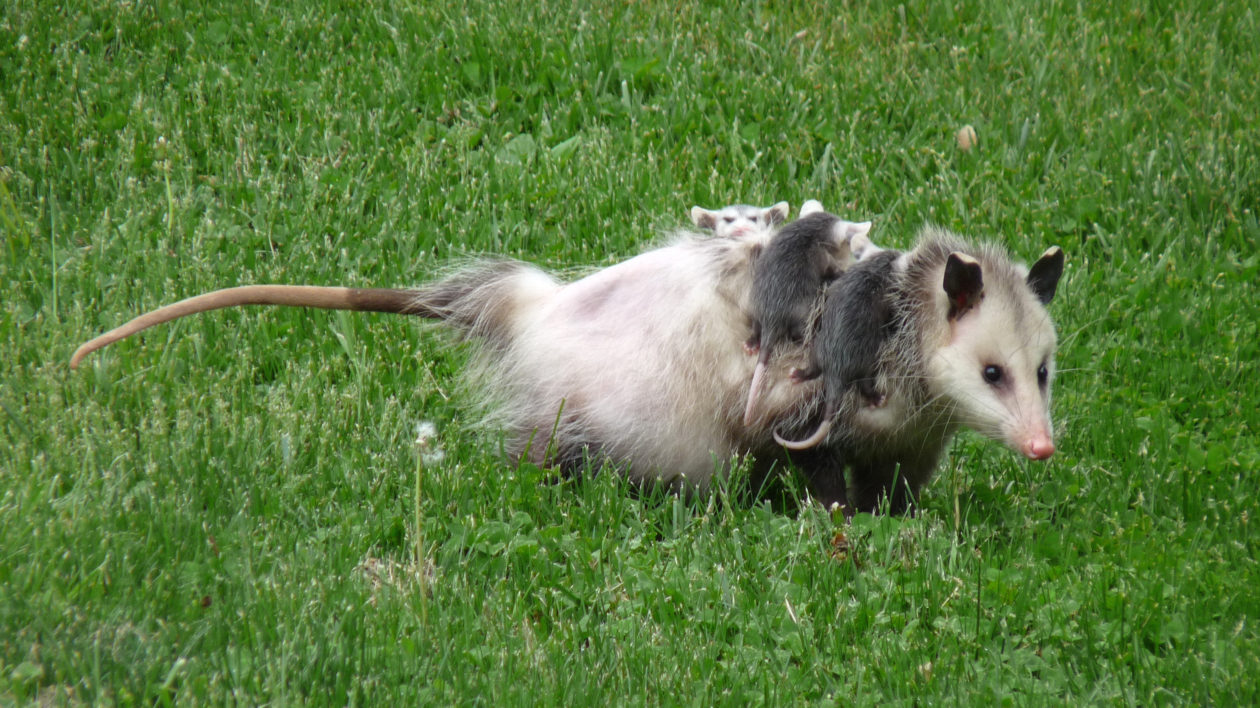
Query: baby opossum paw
798, 375
874, 397
752, 347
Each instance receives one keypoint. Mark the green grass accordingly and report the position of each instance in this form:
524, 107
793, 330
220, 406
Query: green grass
228, 508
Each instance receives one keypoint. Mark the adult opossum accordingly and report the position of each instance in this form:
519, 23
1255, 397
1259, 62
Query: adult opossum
968, 342
640, 364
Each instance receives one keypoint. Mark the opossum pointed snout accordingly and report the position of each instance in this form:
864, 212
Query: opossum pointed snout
1039, 447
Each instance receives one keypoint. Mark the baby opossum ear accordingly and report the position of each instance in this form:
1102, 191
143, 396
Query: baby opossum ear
703, 218
811, 206
848, 230
1044, 275
963, 283
777, 213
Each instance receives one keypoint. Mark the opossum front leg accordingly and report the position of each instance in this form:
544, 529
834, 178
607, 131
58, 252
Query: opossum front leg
898, 481
873, 482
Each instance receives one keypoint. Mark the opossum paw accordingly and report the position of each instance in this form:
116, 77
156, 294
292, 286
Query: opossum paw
874, 397
752, 347
798, 375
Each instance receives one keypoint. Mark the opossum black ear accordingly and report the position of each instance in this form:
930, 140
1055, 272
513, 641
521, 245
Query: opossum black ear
1044, 275
777, 213
703, 218
963, 283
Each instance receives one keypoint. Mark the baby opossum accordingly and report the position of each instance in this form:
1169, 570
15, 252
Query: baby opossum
788, 277
856, 320
739, 219
860, 245
639, 365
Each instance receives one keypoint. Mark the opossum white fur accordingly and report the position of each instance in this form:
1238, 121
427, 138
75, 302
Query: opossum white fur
641, 364
739, 219
645, 358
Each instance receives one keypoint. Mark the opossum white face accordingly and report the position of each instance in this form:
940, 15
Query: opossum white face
996, 366
739, 219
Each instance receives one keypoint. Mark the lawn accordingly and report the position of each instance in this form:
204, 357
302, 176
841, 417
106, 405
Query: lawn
245, 506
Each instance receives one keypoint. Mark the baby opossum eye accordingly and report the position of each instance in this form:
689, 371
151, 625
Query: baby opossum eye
993, 375
1043, 376
728, 219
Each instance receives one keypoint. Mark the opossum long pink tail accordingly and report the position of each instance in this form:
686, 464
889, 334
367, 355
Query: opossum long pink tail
754, 389
403, 302
818, 436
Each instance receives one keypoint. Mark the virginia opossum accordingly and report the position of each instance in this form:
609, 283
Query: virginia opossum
788, 278
639, 364
739, 219
971, 344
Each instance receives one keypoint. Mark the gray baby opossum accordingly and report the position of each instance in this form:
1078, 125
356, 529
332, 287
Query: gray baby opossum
788, 278
639, 364
856, 321
739, 219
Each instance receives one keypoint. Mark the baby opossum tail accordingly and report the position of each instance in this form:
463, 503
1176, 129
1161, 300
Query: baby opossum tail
754, 389
819, 435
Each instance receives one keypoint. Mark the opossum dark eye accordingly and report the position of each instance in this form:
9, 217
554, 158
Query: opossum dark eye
728, 219
1043, 375
993, 375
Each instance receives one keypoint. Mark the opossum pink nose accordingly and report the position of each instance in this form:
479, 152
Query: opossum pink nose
1040, 448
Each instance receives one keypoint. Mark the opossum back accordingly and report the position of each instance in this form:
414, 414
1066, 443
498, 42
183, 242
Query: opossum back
643, 360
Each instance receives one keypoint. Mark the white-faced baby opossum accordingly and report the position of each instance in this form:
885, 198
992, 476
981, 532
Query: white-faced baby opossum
639, 364
788, 278
739, 219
